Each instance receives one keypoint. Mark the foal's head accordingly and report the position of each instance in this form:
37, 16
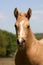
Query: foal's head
22, 25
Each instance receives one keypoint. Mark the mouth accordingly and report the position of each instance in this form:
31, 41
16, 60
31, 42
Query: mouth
22, 46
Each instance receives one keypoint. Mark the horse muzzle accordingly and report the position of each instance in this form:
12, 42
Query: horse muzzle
20, 42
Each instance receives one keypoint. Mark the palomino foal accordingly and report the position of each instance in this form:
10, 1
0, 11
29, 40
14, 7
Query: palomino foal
30, 50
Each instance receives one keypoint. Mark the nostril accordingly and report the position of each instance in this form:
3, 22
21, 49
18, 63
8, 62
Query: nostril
18, 41
23, 40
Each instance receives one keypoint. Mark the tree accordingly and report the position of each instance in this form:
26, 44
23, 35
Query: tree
3, 44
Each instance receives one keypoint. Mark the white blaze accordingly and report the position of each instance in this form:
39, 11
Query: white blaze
21, 30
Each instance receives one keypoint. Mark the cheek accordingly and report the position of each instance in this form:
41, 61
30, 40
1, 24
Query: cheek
26, 33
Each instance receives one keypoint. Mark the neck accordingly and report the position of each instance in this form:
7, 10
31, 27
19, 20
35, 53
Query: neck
30, 39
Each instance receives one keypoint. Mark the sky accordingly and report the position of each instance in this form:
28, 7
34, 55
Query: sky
7, 19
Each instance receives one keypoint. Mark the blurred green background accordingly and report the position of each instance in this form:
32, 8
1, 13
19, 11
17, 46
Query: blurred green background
8, 43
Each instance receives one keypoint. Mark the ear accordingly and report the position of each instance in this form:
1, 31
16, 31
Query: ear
29, 13
16, 13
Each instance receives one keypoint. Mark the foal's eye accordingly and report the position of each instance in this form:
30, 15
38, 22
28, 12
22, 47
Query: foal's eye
28, 26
